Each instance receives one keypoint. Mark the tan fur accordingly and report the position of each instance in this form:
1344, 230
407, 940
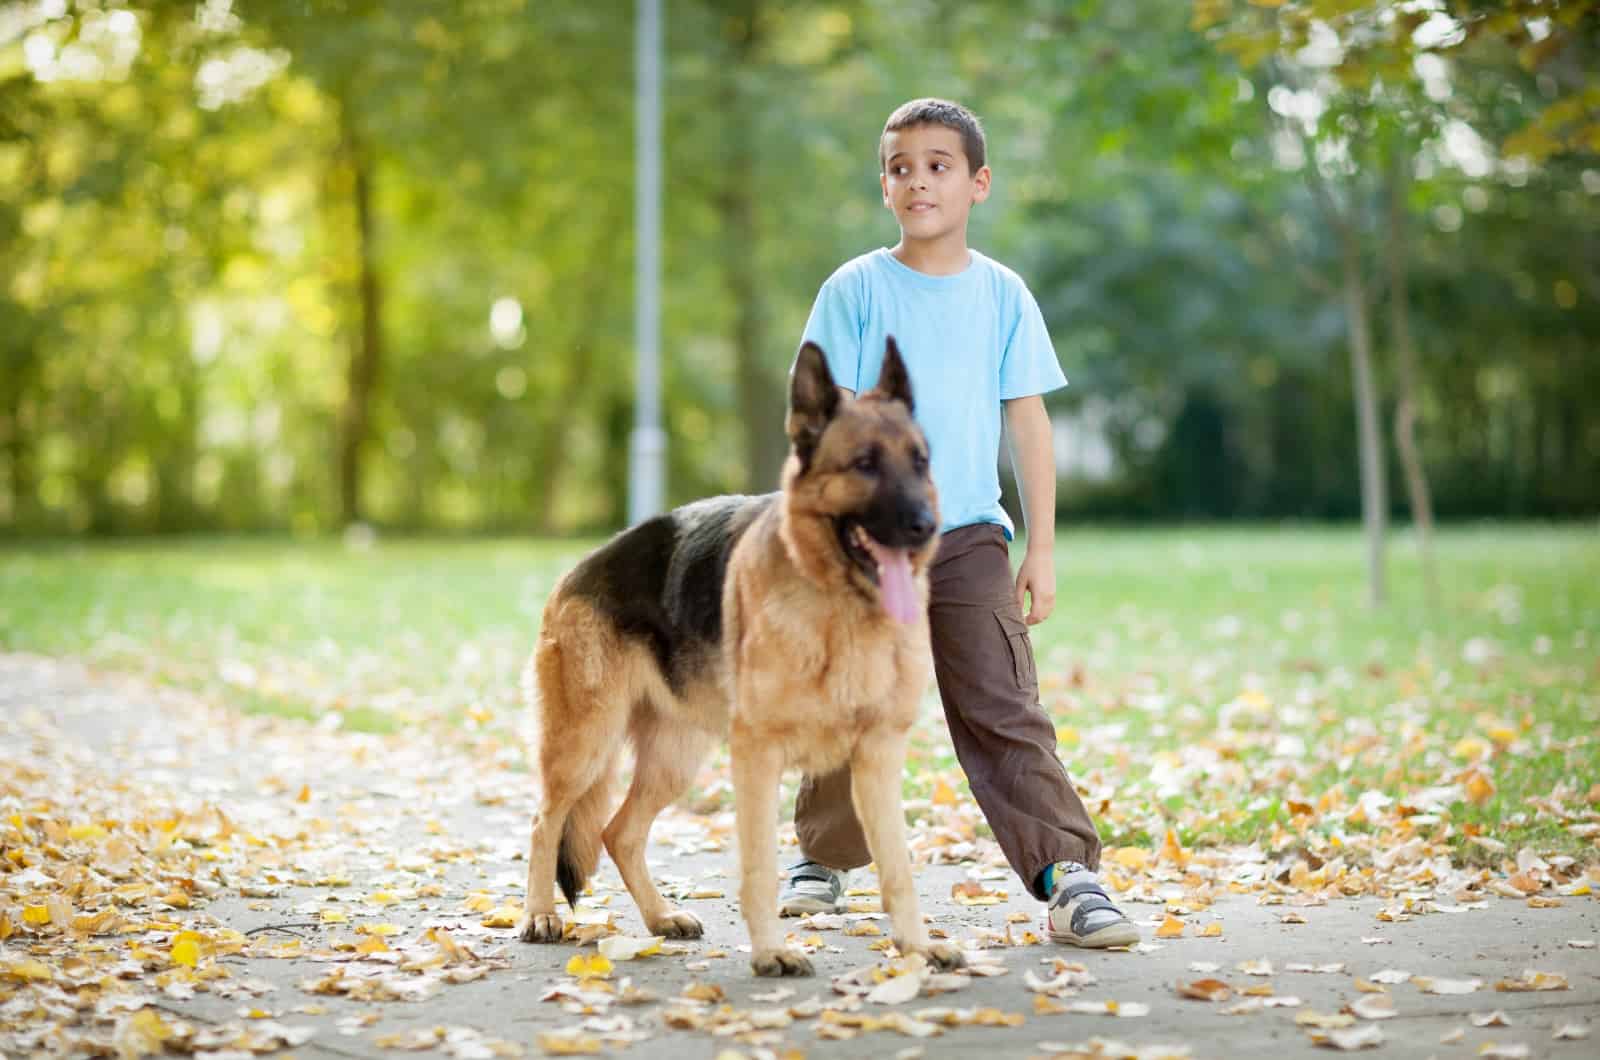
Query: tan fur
812, 673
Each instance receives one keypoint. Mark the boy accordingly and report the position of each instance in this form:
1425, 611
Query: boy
975, 343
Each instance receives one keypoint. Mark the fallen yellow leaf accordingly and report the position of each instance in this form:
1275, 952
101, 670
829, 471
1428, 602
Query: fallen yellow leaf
1135, 858
1502, 733
970, 893
590, 966
186, 950
503, 917
568, 1043
144, 1034
1205, 990
1172, 851
383, 930
1170, 928
1534, 980
1480, 789
30, 970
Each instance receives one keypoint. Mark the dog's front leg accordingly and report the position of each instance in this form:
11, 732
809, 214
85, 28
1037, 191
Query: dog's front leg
757, 765
875, 771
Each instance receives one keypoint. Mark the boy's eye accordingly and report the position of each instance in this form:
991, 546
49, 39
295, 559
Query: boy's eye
939, 167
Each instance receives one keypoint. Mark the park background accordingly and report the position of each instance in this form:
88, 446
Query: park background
317, 352
287, 267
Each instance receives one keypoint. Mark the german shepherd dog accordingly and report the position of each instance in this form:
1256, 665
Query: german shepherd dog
794, 623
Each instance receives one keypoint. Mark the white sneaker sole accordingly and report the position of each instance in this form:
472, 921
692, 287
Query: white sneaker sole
1121, 933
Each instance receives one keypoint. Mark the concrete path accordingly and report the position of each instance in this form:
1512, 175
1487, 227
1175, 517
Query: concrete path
331, 833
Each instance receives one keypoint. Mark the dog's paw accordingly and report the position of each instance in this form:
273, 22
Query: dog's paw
784, 962
678, 925
540, 927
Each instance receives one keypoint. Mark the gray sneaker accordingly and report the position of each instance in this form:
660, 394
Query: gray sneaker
810, 888
1080, 913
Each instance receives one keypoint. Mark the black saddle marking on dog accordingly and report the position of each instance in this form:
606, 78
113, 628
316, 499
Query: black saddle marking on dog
661, 581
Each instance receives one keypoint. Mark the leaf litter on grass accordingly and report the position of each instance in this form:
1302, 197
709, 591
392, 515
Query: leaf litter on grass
1297, 782
161, 854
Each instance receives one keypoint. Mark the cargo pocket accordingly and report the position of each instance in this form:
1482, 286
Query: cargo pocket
1021, 649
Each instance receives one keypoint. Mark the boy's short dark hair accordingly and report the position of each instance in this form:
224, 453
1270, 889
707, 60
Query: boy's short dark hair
930, 111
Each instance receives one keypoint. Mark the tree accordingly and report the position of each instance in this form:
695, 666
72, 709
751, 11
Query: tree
1356, 71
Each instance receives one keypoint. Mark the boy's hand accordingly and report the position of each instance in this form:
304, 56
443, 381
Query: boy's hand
1036, 579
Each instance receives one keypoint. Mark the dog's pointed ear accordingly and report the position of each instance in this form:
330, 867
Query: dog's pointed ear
813, 400
894, 381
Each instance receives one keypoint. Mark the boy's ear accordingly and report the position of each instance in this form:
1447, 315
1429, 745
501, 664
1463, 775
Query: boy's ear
894, 382
813, 400
980, 184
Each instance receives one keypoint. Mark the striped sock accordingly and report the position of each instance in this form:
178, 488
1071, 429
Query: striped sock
1050, 873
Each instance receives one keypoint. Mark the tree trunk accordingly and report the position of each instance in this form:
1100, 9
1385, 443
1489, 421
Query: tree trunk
1358, 325
1374, 491
177, 450
366, 354
1405, 415
760, 389
19, 445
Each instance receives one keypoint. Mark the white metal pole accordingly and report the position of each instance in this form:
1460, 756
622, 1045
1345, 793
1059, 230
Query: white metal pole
649, 442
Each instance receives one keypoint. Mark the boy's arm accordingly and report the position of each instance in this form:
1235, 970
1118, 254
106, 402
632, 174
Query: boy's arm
1033, 459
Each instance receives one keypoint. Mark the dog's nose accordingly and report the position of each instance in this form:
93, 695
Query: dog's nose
918, 522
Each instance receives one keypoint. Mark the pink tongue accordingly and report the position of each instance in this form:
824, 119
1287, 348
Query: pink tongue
894, 581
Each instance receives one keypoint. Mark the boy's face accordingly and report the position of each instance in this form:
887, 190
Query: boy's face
928, 183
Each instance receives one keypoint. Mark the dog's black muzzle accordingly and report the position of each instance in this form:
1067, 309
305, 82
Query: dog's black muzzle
902, 522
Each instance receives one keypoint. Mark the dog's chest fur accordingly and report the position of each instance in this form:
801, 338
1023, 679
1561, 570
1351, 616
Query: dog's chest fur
811, 667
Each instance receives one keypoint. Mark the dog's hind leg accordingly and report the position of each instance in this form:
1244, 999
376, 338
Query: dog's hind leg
876, 768
666, 759
581, 731
541, 922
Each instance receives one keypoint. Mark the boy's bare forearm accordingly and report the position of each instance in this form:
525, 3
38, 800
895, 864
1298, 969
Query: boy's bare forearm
1033, 458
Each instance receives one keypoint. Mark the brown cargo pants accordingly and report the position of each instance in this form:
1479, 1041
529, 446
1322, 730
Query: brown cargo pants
983, 662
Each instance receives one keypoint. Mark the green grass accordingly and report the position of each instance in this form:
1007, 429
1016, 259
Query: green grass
1202, 678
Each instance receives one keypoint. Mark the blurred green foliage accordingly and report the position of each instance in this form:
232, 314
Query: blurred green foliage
283, 265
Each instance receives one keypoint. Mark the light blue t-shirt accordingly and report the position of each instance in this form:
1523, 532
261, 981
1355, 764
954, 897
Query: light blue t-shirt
970, 341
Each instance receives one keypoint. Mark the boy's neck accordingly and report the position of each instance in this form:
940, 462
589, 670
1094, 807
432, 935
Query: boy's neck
944, 257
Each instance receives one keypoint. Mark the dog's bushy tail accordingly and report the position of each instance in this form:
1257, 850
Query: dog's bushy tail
581, 837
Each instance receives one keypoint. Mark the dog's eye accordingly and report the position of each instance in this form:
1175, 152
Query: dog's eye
866, 463
919, 462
